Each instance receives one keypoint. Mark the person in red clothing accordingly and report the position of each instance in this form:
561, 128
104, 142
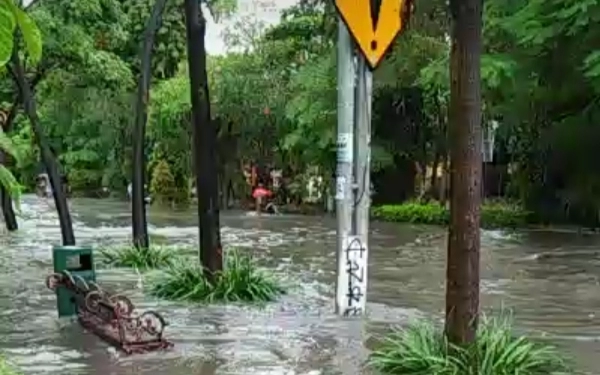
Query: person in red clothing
260, 191
260, 195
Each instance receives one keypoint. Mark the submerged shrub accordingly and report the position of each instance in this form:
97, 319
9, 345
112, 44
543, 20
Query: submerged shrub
155, 256
500, 214
240, 281
494, 214
162, 184
413, 212
421, 349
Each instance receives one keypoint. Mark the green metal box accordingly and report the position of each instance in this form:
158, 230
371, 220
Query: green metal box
78, 260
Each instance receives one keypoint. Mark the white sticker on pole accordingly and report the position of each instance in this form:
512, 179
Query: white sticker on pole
340, 187
355, 259
345, 143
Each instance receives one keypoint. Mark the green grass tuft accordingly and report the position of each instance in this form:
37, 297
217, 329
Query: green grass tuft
6, 368
240, 281
421, 349
128, 256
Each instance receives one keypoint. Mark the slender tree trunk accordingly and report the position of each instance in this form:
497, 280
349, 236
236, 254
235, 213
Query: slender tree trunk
444, 180
433, 179
10, 218
138, 194
462, 277
230, 192
48, 158
441, 151
204, 137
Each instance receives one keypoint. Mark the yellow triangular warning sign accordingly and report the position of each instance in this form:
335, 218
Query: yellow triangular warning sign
374, 32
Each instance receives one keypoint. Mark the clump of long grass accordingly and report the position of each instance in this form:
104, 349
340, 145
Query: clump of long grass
156, 256
6, 368
240, 281
422, 349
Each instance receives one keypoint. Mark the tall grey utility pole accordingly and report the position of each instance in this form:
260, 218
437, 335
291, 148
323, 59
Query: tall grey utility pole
353, 180
345, 157
353, 193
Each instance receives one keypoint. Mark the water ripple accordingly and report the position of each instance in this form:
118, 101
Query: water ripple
554, 295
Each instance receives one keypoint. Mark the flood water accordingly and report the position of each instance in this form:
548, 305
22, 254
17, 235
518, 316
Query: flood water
550, 279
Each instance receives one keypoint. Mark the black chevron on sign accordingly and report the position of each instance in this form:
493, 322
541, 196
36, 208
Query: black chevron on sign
375, 7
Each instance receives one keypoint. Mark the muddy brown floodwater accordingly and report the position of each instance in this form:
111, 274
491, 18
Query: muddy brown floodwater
550, 279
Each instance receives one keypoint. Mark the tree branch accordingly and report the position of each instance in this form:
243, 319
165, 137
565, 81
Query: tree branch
14, 109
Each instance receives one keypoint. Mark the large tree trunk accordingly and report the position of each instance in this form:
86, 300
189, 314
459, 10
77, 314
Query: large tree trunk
48, 158
204, 141
138, 194
462, 283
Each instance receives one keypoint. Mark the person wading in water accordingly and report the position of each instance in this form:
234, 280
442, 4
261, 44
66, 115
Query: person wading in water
147, 198
43, 189
260, 189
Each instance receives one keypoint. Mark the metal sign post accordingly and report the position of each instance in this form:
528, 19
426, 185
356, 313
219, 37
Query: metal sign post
357, 267
345, 157
353, 192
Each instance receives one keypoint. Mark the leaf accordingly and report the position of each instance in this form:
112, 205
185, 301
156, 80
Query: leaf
7, 145
10, 17
592, 64
7, 28
12, 186
31, 35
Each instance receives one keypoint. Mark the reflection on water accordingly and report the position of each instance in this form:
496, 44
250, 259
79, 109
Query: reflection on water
550, 279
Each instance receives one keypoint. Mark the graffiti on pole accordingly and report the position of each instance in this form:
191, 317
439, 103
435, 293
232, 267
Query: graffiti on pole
356, 273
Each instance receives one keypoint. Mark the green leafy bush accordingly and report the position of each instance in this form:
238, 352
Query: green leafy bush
413, 212
423, 349
162, 185
493, 214
240, 281
128, 256
499, 214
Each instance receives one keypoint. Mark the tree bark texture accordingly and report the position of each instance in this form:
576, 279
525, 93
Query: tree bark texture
138, 194
462, 273
48, 158
204, 141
